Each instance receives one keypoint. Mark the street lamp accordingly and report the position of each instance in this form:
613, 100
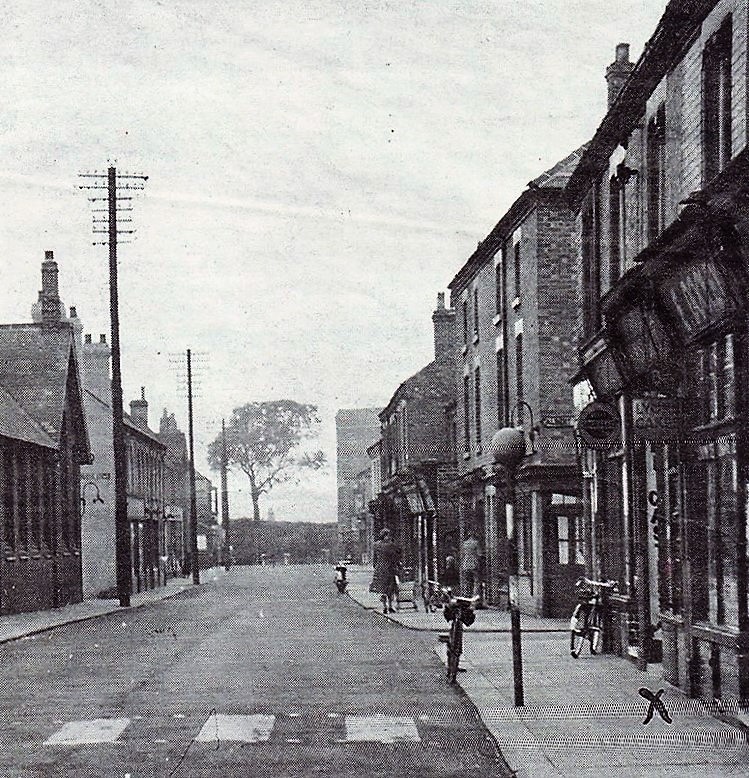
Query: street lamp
508, 448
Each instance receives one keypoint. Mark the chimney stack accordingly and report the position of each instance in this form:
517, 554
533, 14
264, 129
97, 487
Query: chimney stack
139, 408
444, 323
95, 368
618, 71
49, 296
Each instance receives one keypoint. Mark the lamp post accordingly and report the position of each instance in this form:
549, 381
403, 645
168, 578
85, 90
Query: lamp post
508, 447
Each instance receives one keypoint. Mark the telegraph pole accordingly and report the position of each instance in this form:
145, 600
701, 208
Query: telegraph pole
225, 498
193, 499
122, 525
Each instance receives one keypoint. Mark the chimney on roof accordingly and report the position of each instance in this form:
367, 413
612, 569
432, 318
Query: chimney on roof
95, 368
444, 323
49, 296
618, 71
139, 408
77, 325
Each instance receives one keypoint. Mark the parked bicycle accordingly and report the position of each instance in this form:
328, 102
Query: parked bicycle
459, 612
587, 618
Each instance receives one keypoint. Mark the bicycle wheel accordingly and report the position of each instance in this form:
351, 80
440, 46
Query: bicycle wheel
454, 648
578, 630
595, 634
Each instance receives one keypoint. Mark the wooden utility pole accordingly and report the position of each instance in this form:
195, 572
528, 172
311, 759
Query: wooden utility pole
123, 555
225, 498
193, 500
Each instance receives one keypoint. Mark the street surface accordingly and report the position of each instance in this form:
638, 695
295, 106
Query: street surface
263, 672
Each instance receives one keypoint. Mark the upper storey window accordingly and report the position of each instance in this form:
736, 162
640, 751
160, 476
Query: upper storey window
656, 162
716, 101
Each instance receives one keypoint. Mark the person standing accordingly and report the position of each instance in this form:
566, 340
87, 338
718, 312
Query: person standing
386, 564
469, 564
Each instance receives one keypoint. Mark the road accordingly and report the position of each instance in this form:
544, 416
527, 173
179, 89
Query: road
262, 672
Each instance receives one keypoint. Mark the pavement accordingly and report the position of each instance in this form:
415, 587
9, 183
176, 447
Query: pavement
582, 717
22, 625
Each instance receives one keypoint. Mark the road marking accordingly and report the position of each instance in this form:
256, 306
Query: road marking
381, 729
93, 731
243, 729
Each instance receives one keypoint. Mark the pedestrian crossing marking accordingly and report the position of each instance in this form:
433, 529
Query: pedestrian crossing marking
92, 731
242, 729
379, 728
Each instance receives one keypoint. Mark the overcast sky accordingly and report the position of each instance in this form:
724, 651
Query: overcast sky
318, 171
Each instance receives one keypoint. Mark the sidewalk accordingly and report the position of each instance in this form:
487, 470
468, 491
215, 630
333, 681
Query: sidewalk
21, 625
582, 717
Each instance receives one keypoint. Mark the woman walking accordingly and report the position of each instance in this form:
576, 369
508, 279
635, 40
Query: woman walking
386, 564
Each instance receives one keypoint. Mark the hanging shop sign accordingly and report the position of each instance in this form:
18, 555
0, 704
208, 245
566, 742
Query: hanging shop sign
662, 419
599, 425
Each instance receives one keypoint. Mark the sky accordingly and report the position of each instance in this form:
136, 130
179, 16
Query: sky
318, 171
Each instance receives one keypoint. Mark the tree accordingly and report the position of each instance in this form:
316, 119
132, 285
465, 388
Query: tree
265, 440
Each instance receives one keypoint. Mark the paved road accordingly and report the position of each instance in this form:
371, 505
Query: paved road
264, 672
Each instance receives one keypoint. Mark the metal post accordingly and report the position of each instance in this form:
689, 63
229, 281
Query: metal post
193, 499
121, 524
225, 498
513, 573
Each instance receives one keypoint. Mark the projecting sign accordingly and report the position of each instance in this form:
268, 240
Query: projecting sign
659, 418
599, 425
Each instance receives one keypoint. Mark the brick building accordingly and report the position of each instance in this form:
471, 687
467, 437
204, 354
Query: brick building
416, 459
356, 428
663, 224
176, 493
43, 443
517, 352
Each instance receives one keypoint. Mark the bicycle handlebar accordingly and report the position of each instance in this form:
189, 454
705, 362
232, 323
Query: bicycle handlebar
599, 584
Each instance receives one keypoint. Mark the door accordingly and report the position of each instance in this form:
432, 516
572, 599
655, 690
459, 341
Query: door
563, 553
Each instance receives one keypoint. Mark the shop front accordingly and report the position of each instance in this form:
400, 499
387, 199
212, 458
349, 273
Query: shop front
665, 502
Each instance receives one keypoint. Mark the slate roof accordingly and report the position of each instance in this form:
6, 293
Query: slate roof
17, 424
557, 177
34, 363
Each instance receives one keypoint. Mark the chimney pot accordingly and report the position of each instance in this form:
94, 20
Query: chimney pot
88, 338
102, 338
73, 312
49, 255
622, 52
440, 300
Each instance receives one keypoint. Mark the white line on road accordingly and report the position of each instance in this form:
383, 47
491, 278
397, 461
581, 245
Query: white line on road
381, 729
243, 729
93, 731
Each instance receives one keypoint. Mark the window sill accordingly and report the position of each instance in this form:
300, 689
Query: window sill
516, 302
464, 349
475, 338
479, 451
466, 455
497, 320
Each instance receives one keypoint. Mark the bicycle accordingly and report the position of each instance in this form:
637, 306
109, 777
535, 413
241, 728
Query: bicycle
586, 622
460, 613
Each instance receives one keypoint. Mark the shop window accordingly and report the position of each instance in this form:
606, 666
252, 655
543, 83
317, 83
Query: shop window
716, 105
563, 539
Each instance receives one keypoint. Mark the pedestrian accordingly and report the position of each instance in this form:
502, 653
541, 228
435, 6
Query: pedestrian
451, 576
469, 564
386, 565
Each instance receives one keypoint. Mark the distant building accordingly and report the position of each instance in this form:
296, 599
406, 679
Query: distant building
416, 461
356, 429
43, 443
